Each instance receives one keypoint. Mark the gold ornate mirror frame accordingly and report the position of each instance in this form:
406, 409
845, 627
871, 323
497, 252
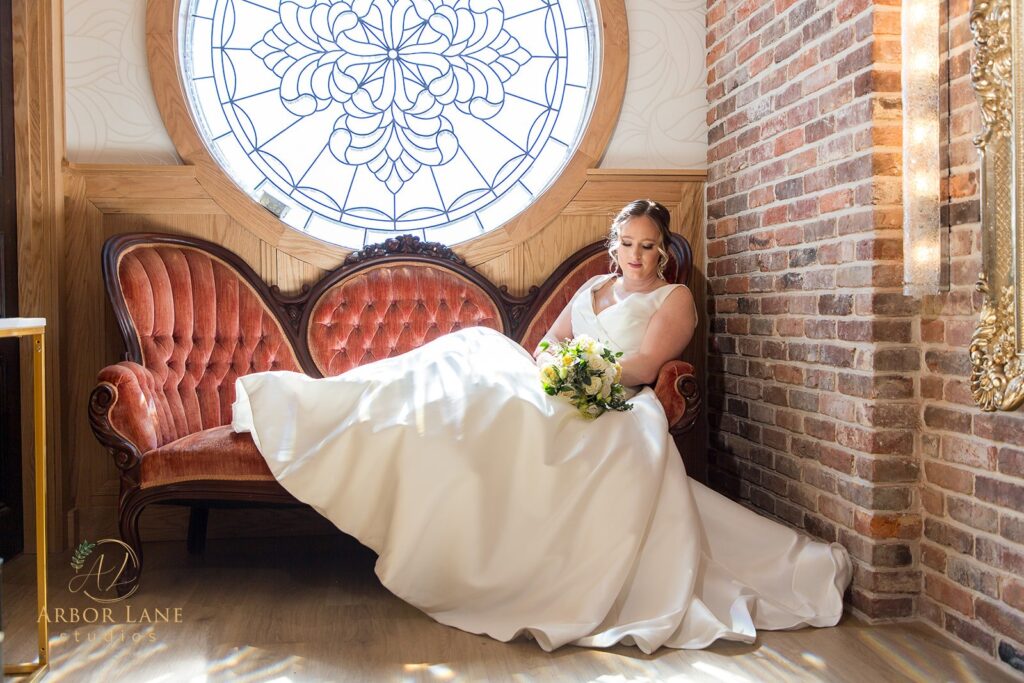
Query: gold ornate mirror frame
997, 375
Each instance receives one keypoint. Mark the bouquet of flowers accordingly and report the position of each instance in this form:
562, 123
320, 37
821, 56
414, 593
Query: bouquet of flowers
584, 371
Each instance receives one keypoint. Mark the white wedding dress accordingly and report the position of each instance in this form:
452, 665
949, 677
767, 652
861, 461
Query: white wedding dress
499, 510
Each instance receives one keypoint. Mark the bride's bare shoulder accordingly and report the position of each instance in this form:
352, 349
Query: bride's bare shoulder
678, 302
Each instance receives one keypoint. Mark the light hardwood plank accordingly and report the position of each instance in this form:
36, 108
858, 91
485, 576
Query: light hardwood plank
311, 609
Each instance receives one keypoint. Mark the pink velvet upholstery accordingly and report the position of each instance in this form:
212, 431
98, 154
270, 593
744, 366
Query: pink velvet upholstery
390, 309
199, 327
216, 453
595, 265
136, 414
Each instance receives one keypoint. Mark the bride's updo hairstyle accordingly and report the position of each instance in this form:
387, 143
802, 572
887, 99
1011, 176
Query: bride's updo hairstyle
641, 207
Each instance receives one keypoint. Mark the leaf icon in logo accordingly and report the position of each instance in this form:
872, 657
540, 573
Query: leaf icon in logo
83, 551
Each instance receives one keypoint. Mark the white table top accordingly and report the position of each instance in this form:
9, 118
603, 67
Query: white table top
8, 324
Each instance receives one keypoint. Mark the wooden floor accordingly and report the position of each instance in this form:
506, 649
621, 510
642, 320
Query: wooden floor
311, 609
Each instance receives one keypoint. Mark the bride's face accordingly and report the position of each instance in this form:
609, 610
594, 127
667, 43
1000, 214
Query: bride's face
638, 249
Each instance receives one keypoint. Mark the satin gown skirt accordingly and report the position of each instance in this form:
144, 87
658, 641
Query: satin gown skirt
497, 509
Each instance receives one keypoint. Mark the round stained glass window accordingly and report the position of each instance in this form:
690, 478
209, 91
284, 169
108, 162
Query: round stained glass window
355, 120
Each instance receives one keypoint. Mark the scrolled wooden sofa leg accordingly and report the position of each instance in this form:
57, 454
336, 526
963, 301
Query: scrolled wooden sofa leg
131, 510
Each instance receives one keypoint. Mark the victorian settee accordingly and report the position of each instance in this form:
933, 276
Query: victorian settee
194, 317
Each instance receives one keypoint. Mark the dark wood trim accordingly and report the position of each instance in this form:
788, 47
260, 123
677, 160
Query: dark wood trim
126, 456
688, 387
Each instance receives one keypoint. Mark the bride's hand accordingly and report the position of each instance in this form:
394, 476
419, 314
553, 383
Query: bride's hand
545, 358
540, 351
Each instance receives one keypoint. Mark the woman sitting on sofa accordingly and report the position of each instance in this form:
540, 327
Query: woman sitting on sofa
498, 509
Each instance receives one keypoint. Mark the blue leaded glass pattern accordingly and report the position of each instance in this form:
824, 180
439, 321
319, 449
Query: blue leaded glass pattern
359, 119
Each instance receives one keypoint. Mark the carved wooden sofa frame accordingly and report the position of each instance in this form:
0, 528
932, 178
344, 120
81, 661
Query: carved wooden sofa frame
185, 308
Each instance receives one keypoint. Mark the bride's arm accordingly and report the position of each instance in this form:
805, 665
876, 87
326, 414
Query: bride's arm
666, 337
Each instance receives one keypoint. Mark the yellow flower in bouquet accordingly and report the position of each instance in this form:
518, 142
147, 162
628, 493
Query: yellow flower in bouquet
586, 372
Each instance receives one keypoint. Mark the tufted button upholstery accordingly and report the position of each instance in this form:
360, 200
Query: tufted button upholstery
393, 308
198, 323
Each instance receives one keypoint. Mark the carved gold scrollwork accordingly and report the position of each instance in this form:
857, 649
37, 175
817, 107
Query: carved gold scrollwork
997, 382
992, 67
997, 369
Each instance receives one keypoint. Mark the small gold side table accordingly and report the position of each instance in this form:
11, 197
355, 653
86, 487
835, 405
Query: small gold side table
36, 329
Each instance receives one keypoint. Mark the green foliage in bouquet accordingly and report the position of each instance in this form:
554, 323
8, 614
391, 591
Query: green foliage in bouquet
586, 372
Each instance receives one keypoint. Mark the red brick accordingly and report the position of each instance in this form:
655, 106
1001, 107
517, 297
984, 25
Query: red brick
932, 330
973, 514
933, 556
933, 500
887, 469
1012, 528
836, 459
969, 633
1011, 461
1003, 493
887, 581
788, 374
1013, 594
880, 525
949, 536
949, 594
882, 606
788, 142
969, 574
943, 418
837, 510
1006, 428
952, 478
999, 555
1003, 619
968, 452
820, 429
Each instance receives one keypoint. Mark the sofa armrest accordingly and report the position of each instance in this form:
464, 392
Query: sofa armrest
123, 412
679, 393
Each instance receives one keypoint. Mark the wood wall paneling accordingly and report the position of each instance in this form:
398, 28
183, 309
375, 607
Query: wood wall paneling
39, 152
107, 200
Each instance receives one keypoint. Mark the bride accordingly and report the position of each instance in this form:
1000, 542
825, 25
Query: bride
499, 510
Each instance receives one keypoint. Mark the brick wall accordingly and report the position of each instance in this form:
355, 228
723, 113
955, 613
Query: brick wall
972, 490
837, 404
